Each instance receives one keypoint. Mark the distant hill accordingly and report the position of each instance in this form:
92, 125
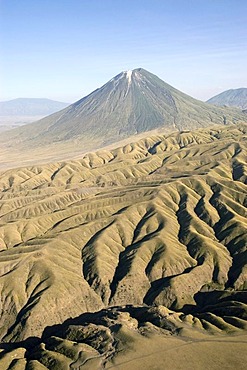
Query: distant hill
231, 98
30, 107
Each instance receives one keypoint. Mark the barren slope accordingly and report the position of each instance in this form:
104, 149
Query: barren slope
231, 98
158, 222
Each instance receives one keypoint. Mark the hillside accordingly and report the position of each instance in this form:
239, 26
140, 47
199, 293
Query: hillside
151, 234
231, 98
30, 107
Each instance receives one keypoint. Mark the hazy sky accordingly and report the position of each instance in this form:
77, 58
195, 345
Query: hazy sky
63, 50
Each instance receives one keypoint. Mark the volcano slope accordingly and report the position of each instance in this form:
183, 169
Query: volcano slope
131, 103
152, 235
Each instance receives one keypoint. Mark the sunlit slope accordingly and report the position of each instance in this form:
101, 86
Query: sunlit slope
158, 221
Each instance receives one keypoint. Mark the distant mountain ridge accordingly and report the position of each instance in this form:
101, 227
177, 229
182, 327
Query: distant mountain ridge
231, 98
30, 107
130, 103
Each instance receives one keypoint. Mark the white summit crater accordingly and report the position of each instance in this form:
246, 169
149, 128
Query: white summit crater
128, 75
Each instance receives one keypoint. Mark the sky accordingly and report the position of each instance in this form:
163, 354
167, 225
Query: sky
63, 50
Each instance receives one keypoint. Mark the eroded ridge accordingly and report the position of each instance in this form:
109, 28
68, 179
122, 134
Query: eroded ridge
155, 222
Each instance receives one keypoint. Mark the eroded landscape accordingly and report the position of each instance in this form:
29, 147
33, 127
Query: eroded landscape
113, 259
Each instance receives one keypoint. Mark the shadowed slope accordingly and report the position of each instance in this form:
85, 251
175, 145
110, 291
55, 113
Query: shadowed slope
137, 337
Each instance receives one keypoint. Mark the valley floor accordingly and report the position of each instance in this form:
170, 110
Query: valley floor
160, 353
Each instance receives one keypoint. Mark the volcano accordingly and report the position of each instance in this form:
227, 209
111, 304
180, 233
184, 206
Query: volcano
133, 102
